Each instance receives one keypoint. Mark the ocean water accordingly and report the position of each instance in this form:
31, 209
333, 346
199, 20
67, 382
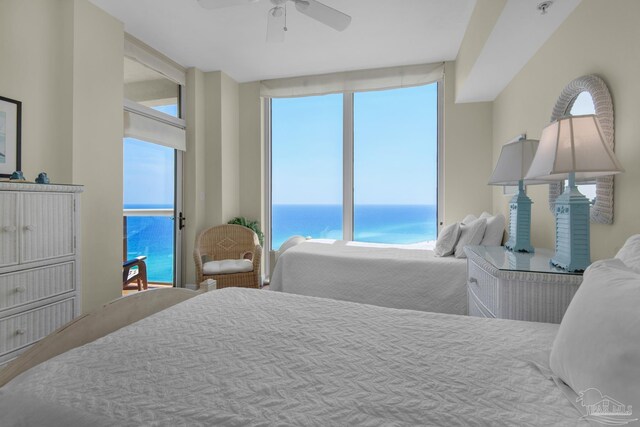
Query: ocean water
372, 223
153, 235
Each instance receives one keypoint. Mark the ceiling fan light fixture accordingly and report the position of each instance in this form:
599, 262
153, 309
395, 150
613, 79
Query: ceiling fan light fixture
276, 12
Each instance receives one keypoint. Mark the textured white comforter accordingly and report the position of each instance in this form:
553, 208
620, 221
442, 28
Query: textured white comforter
239, 357
397, 277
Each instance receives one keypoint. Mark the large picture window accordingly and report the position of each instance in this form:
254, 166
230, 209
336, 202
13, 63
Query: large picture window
306, 195
357, 166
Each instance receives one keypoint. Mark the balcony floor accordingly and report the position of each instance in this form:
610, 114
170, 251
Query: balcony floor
132, 288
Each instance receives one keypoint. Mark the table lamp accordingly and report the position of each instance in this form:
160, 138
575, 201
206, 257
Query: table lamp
573, 147
513, 164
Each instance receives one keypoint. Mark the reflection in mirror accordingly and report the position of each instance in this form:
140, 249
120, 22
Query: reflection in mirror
589, 95
581, 105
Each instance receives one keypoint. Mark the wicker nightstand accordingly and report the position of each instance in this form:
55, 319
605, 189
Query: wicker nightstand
518, 286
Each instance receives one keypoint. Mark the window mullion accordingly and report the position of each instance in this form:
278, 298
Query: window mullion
347, 168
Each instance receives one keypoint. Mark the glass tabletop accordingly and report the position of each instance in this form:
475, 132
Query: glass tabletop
503, 259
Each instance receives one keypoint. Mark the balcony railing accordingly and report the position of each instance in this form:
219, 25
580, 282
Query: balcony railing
149, 232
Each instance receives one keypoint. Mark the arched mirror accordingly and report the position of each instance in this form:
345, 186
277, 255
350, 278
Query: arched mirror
589, 95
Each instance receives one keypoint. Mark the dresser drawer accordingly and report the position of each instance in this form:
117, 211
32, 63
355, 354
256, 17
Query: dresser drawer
23, 287
484, 286
26, 328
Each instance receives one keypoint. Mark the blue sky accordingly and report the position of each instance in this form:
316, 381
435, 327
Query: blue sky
395, 148
395, 151
149, 170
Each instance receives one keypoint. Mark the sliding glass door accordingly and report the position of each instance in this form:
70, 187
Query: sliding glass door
149, 209
154, 139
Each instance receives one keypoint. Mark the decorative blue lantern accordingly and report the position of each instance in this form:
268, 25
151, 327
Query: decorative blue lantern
573, 148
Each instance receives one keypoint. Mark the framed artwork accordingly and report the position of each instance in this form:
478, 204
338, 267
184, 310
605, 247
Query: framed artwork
10, 123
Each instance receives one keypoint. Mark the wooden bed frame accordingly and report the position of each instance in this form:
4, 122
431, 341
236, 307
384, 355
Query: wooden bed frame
91, 326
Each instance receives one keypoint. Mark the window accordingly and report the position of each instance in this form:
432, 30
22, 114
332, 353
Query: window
148, 87
306, 168
356, 166
395, 165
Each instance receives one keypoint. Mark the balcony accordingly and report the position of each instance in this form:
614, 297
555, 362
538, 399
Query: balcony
149, 232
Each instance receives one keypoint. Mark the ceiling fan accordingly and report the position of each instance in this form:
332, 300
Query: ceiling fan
277, 16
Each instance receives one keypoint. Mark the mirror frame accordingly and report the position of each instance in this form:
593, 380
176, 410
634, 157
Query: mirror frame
602, 209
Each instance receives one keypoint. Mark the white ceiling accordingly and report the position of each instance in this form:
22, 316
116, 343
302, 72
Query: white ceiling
382, 33
517, 35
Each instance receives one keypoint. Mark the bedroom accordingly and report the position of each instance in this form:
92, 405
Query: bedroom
72, 128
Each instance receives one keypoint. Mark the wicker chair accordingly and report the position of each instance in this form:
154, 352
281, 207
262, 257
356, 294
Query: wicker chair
228, 242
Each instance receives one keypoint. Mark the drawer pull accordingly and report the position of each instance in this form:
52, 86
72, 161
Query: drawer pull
29, 227
473, 280
20, 332
20, 289
9, 228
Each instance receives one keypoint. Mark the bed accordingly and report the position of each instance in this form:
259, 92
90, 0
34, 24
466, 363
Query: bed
396, 276
251, 357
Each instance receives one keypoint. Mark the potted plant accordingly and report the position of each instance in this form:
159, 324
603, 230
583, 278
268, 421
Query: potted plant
252, 225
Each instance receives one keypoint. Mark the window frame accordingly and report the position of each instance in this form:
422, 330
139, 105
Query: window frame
347, 168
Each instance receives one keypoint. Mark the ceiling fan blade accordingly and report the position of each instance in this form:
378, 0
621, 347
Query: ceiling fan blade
219, 4
323, 13
275, 25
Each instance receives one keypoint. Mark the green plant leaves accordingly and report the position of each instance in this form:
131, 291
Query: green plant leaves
252, 225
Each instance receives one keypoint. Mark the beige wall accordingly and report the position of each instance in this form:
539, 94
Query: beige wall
97, 148
32, 70
212, 163
63, 60
600, 37
467, 154
194, 182
251, 152
484, 18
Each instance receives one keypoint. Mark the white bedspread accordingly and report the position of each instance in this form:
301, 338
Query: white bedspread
408, 277
238, 357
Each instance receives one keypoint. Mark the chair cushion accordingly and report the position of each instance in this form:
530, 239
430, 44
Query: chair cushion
227, 266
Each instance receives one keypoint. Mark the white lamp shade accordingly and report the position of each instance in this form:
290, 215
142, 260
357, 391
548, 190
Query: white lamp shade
573, 144
514, 162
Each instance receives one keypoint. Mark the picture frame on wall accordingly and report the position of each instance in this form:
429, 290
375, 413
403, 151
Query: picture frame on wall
10, 134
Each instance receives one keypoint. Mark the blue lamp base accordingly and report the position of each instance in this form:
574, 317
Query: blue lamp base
520, 222
572, 230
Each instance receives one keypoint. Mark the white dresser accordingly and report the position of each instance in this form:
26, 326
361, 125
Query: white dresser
39, 262
518, 286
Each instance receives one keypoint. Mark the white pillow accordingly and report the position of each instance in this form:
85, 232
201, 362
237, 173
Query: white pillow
630, 253
447, 240
291, 242
470, 234
469, 219
495, 229
227, 266
598, 343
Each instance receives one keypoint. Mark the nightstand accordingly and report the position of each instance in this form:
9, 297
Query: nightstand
519, 286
